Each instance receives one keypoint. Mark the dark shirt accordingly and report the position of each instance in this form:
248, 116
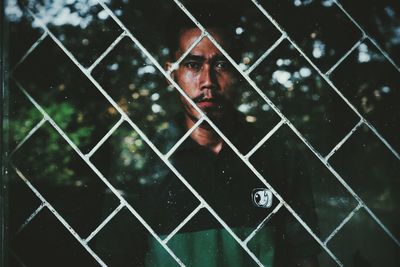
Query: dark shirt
225, 182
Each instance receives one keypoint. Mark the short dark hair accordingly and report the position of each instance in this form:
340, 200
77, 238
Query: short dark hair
210, 15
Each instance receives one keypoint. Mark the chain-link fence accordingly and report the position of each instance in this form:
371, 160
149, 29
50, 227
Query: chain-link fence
333, 99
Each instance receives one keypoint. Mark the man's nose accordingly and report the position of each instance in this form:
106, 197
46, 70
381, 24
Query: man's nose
208, 78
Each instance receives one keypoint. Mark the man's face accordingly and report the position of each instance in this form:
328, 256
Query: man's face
205, 75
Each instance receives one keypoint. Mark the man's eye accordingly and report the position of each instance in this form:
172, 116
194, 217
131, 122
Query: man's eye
192, 65
222, 65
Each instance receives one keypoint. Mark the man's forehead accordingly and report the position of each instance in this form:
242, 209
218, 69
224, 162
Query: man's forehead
188, 36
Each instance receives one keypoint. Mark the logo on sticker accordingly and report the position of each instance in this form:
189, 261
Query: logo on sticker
262, 197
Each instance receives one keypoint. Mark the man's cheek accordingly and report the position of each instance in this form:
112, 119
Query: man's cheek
187, 82
189, 109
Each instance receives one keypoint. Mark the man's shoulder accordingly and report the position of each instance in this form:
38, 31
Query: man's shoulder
243, 135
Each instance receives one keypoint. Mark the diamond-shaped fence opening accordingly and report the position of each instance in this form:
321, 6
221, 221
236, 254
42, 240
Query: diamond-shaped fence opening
107, 164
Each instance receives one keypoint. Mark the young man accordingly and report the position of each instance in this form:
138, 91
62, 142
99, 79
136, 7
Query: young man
211, 168
214, 170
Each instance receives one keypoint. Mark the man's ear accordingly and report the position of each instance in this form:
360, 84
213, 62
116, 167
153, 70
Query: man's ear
168, 67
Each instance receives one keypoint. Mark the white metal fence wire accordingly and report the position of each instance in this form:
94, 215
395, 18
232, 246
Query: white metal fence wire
324, 159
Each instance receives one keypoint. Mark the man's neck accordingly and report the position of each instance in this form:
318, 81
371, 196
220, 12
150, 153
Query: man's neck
205, 136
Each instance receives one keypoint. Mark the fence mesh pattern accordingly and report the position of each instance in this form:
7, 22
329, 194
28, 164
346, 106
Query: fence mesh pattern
322, 153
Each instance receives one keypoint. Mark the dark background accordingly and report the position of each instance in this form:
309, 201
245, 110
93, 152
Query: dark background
366, 78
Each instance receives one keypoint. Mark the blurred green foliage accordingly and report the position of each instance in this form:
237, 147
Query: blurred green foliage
320, 29
134, 83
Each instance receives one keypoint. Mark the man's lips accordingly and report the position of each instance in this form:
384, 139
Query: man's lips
207, 104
